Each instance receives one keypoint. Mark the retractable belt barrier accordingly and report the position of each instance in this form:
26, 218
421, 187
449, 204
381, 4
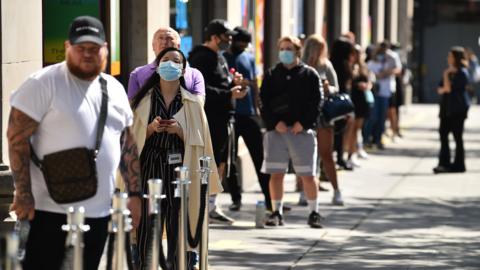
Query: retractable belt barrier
9, 252
118, 248
75, 228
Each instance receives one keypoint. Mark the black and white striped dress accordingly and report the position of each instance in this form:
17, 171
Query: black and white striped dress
154, 163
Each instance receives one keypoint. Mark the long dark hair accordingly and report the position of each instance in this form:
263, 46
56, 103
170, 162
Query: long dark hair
459, 56
155, 78
339, 56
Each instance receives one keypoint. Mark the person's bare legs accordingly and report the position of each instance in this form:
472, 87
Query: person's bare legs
325, 150
393, 118
276, 191
353, 139
310, 187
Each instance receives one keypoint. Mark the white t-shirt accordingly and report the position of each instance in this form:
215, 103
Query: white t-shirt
67, 109
387, 85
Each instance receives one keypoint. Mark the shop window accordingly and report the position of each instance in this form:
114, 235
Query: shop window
57, 17
181, 21
253, 19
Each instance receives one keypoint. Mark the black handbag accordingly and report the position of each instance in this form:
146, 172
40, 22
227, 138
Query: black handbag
71, 175
337, 106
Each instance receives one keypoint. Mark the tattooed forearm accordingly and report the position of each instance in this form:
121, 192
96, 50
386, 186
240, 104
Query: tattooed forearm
20, 128
130, 164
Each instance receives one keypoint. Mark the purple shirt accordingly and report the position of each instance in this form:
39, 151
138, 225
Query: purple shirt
193, 79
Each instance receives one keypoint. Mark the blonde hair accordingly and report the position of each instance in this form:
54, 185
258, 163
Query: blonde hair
294, 40
315, 52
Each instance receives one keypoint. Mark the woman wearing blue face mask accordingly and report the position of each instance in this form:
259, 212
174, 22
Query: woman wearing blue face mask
290, 95
171, 130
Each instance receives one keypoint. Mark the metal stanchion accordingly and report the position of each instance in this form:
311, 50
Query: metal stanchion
75, 227
181, 191
119, 225
9, 257
205, 172
155, 196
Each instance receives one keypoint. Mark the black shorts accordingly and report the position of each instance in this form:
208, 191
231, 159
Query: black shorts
219, 134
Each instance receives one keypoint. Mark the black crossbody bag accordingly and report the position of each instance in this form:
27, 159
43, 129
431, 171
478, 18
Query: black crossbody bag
71, 175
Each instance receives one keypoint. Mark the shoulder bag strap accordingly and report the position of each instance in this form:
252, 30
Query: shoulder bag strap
103, 115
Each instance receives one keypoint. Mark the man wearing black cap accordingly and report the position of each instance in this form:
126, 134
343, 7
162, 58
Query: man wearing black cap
247, 120
57, 110
221, 89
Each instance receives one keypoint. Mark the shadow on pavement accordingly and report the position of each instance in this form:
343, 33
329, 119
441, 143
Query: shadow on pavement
412, 233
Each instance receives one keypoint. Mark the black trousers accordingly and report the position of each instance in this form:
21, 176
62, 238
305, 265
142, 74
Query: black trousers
45, 248
249, 127
455, 126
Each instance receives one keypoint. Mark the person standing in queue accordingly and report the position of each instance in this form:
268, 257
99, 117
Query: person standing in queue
454, 105
171, 129
247, 119
55, 112
290, 95
221, 91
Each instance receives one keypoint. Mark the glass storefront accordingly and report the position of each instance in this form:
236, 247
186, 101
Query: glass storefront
57, 16
253, 20
181, 21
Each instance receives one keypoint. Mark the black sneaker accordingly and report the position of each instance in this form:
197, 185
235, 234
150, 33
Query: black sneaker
441, 169
275, 219
314, 220
235, 206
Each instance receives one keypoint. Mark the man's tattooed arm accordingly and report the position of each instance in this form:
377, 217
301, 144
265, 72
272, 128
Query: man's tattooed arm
129, 163
20, 128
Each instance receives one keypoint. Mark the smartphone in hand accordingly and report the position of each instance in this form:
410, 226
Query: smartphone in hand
166, 122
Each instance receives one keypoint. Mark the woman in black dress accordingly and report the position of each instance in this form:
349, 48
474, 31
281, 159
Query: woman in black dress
454, 105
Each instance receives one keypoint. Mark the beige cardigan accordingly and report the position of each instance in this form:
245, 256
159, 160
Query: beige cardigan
191, 117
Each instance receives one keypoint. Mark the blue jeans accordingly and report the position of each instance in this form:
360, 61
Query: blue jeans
379, 116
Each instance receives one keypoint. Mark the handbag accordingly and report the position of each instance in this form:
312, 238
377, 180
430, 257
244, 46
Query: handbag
337, 106
71, 175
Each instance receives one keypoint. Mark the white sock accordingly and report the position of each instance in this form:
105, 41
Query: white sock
277, 205
212, 202
313, 205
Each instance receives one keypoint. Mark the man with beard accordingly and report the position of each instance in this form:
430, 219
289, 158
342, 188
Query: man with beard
58, 109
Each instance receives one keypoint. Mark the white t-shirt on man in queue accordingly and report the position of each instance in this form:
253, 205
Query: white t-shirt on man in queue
67, 110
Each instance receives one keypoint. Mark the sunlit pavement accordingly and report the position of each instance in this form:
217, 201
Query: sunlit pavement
398, 214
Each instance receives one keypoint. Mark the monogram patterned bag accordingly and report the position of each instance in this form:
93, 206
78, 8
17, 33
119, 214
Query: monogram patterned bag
71, 175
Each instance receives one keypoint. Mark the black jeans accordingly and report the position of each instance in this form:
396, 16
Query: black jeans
455, 126
45, 248
249, 128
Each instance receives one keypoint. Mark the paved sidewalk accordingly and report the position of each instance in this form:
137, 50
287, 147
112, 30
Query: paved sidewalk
398, 214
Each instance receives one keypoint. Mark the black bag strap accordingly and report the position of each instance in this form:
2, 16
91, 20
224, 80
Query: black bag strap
101, 125
103, 115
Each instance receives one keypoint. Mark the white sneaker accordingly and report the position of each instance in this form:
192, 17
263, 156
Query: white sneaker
216, 216
337, 198
362, 154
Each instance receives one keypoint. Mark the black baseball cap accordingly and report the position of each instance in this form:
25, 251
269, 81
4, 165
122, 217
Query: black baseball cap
218, 27
86, 29
242, 35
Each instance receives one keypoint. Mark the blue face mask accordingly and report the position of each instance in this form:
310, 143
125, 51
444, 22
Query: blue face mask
286, 57
169, 70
